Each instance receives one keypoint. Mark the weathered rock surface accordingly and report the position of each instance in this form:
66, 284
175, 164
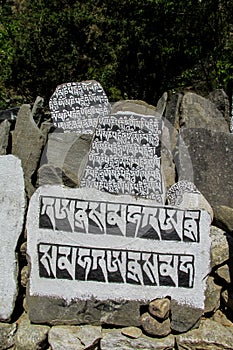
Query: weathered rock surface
212, 294
219, 317
155, 327
221, 101
7, 335
27, 143
199, 112
223, 217
160, 308
113, 339
31, 337
132, 332
12, 206
74, 337
184, 317
212, 166
4, 136
210, 336
224, 273
221, 246
136, 106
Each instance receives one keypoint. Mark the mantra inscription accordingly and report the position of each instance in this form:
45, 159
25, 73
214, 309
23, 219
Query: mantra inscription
121, 219
115, 266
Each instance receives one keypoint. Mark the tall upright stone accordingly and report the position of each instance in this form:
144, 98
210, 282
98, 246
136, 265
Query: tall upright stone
126, 156
12, 206
76, 107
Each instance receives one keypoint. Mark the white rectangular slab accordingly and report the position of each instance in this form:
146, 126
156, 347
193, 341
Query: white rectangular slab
85, 244
126, 156
12, 206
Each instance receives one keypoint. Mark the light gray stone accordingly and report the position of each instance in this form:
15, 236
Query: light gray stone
12, 206
31, 337
209, 336
132, 332
160, 308
155, 327
221, 246
136, 106
199, 112
210, 156
74, 337
113, 339
7, 335
224, 273
4, 136
27, 143
184, 317
212, 295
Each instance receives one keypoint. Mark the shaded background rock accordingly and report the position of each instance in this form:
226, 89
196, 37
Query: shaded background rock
4, 136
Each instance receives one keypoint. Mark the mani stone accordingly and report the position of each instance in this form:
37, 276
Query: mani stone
210, 156
199, 112
155, 327
12, 206
126, 156
27, 143
76, 107
99, 257
4, 136
160, 308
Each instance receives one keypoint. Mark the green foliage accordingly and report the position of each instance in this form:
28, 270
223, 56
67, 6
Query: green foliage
134, 48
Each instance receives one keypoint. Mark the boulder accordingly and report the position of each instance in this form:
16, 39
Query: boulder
199, 112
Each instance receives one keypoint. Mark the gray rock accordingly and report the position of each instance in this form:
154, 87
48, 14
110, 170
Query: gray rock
113, 339
221, 101
223, 217
155, 327
210, 335
210, 155
162, 102
136, 106
49, 175
27, 143
184, 317
173, 109
12, 207
31, 337
7, 335
74, 337
199, 112
224, 273
212, 294
221, 246
160, 308
132, 332
4, 136
184, 194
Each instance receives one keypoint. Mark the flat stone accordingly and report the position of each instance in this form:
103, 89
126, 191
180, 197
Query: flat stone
210, 335
136, 106
155, 327
31, 337
27, 143
7, 335
199, 112
211, 166
221, 246
160, 308
132, 332
184, 317
223, 217
224, 273
12, 206
212, 294
113, 339
184, 194
74, 337
4, 136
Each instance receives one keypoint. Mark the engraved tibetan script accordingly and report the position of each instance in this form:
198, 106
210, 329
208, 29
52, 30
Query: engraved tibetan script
77, 106
126, 156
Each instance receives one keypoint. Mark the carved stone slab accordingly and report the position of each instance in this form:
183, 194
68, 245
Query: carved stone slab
76, 107
126, 156
12, 206
85, 245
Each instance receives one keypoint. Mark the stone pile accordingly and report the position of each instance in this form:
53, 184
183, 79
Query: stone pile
82, 268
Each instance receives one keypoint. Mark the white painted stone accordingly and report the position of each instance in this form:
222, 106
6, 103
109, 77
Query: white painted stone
86, 244
76, 107
12, 206
126, 156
